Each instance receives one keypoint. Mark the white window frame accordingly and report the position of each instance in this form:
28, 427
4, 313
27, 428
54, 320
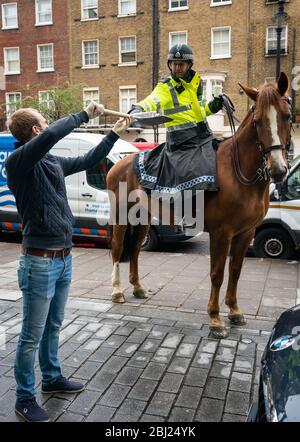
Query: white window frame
129, 63
286, 40
176, 33
131, 14
3, 16
220, 3
6, 72
209, 78
8, 113
178, 8
39, 69
122, 88
37, 23
49, 104
89, 19
217, 57
90, 66
92, 121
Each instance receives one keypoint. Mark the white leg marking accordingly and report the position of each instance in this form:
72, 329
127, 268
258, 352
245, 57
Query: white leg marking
277, 156
116, 278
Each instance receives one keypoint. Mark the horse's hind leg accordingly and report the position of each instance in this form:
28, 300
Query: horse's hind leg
219, 246
117, 249
138, 290
239, 246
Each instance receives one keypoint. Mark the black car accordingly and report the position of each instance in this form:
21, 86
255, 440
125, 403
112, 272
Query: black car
279, 386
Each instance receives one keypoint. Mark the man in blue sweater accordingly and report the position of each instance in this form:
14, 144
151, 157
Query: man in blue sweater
36, 178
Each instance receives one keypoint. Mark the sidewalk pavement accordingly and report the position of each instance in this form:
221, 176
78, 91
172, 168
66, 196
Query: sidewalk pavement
150, 360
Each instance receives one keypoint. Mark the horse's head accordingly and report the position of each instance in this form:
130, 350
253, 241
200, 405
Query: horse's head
272, 120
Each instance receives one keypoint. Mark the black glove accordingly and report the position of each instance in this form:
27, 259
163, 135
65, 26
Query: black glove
216, 104
135, 110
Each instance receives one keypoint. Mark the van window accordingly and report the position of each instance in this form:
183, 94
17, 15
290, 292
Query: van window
294, 185
96, 176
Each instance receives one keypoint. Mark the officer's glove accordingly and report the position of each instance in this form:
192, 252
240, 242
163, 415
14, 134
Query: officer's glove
94, 110
216, 104
135, 110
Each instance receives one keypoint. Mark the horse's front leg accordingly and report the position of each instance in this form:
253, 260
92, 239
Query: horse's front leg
219, 246
239, 246
117, 249
138, 290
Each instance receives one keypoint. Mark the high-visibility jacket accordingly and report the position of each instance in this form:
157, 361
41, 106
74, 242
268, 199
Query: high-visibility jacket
183, 101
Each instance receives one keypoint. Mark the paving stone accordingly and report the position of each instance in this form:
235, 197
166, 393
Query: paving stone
190, 338
161, 404
143, 389
216, 388
221, 369
84, 402
124, 331
163, 355
180, 414
172, 340
127, 349
70, 417
186, 350
203, 360
210, 410
208, 346
150, 418
179, 365
189, 397
55, 407
101, 381
240, 382
196, 377
153, 371
243, 364
128, 376
81, 337
138, 336
225, 354
237, 403
102, 354
114, 341
233, 418
130, 411
246, 349
139, 359
114, 364
114, 396
67, 349
101, 414
171, 383
77, 358
87, 370
150, 345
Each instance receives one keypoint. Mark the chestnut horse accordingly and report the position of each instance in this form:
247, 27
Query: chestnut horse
245, 164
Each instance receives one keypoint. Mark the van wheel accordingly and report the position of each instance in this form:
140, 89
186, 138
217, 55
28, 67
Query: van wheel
273, 243
150, 241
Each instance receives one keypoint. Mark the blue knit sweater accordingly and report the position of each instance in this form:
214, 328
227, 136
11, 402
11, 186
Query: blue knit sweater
36, 179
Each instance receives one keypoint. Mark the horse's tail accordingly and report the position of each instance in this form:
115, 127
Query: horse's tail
129, 243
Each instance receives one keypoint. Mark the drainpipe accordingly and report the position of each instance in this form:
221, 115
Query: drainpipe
293, 92
155, 52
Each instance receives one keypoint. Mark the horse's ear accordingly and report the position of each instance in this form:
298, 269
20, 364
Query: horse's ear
283, 83
252, 93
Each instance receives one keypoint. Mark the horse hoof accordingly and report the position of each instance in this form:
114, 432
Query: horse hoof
237, 320
118, 298
140, 294
219, 332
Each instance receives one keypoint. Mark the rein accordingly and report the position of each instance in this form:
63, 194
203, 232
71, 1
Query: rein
262, 172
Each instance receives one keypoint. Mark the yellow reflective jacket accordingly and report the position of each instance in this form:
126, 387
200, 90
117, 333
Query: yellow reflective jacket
183, 101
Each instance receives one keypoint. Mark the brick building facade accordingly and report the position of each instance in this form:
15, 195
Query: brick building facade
34, 54
116, 50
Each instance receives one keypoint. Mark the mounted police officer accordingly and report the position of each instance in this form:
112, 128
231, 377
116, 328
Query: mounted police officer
187, 159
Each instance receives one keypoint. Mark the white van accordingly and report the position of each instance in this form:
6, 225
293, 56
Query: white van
279, 234
86, 190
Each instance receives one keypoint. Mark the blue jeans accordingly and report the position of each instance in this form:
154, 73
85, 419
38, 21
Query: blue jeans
45, 284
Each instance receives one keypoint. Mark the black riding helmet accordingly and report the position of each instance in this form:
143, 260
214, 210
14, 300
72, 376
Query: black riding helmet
181, 52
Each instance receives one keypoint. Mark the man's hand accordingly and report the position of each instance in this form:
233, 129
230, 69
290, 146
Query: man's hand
122, 124
94, 109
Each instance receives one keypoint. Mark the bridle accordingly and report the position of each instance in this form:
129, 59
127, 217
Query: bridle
262, 172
